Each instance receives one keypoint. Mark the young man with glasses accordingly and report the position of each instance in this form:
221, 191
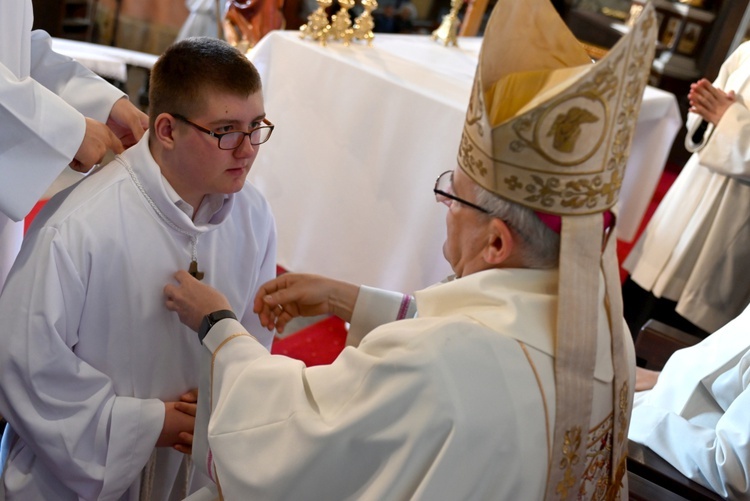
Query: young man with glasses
515, 378
92, 366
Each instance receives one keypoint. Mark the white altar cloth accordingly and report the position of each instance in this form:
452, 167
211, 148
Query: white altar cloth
361, 135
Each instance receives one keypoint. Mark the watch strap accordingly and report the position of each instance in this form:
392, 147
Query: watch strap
212, 318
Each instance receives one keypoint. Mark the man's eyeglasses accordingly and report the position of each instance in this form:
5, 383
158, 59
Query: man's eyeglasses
444, 192
232, 140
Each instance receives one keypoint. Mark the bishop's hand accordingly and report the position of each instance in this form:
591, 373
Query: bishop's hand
300, 295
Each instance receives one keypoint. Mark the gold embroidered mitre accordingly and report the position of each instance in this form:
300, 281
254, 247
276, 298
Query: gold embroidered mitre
545, 127
548, 129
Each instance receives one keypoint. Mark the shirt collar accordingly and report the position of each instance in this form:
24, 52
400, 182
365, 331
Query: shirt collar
210, 205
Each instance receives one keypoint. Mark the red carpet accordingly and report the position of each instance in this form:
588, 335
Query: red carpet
667, 178
318, 344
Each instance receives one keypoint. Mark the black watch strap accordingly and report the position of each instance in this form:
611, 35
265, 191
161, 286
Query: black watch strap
210, 319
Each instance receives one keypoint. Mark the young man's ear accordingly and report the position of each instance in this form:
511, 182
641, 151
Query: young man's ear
163, 130
501, 243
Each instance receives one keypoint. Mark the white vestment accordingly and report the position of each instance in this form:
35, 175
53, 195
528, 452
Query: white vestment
696, 248
696, 417
41, 132
457, 403
89, 351
201, 22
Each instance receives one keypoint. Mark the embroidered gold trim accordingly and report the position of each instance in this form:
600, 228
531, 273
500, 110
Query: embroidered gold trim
213, 361
211, 396
570, 458
596, 473
544, 402
623, 415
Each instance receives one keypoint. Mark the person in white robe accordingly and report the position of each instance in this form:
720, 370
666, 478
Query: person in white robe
515, 378
695, 251
696, 415
51, 109
203, 20
87, 386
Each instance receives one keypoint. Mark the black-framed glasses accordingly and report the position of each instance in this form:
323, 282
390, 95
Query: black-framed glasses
444, 192
232, 140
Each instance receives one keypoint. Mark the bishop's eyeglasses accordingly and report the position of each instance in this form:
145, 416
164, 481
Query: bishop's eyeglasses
232, 140
444, 192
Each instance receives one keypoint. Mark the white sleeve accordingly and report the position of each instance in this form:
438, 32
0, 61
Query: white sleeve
375, 307
727, 145
273, 420
42, 132
727, 151
64, 409
717, 457
78, 86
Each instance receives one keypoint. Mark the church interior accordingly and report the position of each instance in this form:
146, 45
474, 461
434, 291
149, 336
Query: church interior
317, 94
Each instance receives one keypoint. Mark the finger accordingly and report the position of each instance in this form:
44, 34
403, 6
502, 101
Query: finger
185, 438
114, 143
183, 449
282, 320
182, 276
190, 396
186, 408
77, 166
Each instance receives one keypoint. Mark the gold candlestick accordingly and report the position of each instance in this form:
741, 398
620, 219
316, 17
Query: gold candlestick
364, 23
341, 23
447, 32
317, 26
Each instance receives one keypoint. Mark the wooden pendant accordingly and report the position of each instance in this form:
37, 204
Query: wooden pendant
193, 270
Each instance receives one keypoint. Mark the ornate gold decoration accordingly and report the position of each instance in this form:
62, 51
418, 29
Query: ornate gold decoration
317, 26
570, 459
624, 406
470, 161
341, 23
566, 129
364, 23
598, 467
447, 32
551, 192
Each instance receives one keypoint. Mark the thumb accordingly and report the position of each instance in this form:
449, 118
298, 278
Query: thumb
114, 143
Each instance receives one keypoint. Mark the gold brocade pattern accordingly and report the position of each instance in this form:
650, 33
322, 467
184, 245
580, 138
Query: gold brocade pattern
595, 484
569, 460
624, 412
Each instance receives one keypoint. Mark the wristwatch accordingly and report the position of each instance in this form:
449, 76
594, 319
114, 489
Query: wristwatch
210, 319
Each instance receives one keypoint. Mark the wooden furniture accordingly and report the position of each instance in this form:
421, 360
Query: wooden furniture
650, 478
657, 341
71, 19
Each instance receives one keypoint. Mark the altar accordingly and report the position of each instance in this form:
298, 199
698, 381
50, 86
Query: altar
361, 135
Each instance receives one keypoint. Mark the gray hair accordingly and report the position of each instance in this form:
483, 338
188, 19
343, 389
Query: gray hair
539, 246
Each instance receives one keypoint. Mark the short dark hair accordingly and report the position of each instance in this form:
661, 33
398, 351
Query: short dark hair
193, 66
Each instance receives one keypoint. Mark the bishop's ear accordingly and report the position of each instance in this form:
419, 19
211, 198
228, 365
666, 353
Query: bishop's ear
501, 244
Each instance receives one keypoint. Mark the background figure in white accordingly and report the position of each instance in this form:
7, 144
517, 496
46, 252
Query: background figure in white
695, 416
202, 20
695, 251
45, 99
